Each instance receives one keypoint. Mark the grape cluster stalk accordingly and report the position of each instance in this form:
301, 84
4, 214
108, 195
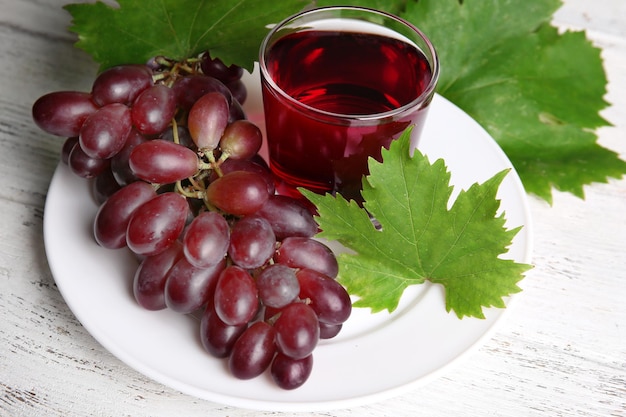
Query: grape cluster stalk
177, 175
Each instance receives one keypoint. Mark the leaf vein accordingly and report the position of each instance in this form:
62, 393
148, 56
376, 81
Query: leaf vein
170, 24
459, 234
218, 21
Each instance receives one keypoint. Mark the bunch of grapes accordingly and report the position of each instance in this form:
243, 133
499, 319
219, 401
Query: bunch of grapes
176, 171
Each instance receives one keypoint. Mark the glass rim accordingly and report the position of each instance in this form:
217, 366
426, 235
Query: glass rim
421, 99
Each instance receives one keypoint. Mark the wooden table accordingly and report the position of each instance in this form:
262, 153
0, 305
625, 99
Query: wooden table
561, 351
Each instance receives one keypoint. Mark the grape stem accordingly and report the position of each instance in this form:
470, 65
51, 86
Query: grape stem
196, 185
208, 204
224, 156
214, 164
159, 76
175, 131
189, 192
174, 69
197, 190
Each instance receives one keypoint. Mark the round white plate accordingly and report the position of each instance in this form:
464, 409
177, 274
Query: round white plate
373, 358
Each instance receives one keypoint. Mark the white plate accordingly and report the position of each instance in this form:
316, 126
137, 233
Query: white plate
373, 358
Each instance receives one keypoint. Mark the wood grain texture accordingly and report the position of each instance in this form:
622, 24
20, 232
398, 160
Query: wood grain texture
560, 352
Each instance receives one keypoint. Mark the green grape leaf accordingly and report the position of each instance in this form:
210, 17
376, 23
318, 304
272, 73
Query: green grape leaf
538, 92
421, 239
389, 6
138, 30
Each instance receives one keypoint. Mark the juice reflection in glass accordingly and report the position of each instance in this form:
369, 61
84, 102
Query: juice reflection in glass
338, 84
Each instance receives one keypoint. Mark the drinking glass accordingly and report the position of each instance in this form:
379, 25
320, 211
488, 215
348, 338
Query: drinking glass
338, 84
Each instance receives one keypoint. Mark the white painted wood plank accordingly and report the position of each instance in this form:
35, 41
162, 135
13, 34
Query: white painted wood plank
561, 352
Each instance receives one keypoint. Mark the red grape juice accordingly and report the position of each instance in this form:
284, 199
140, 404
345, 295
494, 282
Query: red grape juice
339, 84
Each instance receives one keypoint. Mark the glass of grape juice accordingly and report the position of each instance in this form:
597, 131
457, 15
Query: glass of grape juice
338, 84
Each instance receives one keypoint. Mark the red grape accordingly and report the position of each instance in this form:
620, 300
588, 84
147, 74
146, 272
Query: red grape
330, 301
184, 138
120, 162
252, 242
153, 110
156, 224
252, 353
189, 288
206, 239
238, 193
238, 90
236, 299
218, 338
278, 286
104, 132
189, 89
112, 217
207, 120
68, 145
84, 165
231, 165
151, 275
214, 67
161, 162
242, 139
304, 252
104, 185
121, 84
62, 113
297, 330
288, 217
328, 331
289, 373
236, 111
